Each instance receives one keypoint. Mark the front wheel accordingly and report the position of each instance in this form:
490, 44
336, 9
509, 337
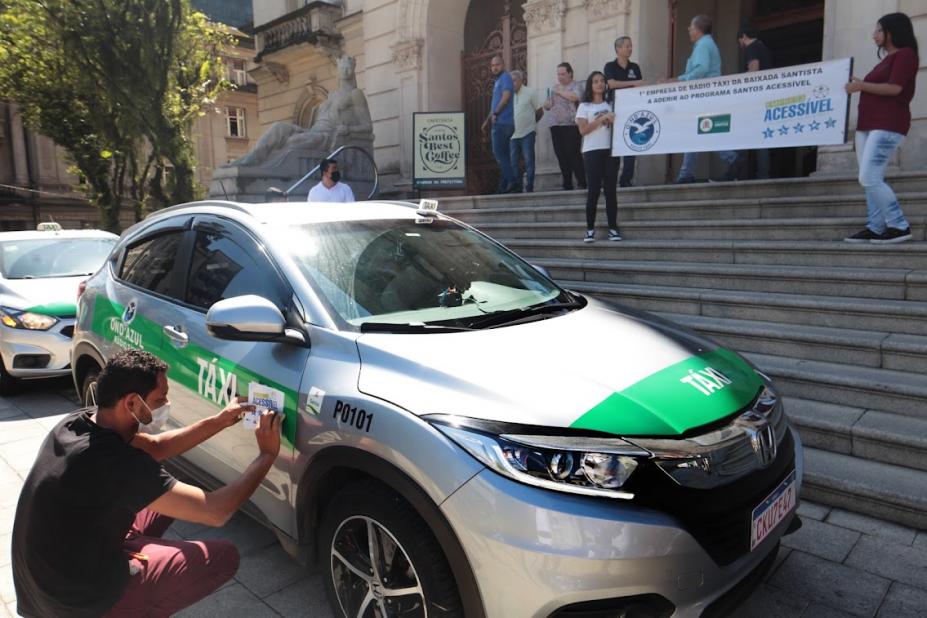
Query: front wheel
381, 559
88, 388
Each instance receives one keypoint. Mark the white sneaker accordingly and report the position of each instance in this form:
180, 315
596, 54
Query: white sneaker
614, 235
590, 236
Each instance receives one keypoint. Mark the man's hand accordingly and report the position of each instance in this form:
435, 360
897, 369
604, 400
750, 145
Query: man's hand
234, 411
268, 434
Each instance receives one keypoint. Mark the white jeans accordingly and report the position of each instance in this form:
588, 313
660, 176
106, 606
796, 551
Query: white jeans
874, 150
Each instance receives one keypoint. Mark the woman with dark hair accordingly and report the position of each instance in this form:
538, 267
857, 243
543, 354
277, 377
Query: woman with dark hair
595, 119
884, 120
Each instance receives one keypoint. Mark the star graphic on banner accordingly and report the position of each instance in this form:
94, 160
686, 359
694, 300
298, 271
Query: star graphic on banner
830, 123
814, 125
783, 130
799, 128
768, 133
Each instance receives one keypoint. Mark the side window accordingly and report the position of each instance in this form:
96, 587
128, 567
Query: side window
150, 264
221, 268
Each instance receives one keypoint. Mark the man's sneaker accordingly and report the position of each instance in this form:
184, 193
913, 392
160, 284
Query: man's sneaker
685, 180
893, 235
590, 236
864, 235
614, 235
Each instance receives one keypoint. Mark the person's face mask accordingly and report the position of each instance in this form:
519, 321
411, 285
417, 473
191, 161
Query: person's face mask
158, 417
336, 176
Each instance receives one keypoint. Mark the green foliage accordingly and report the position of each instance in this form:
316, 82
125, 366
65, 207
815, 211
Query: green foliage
117, 83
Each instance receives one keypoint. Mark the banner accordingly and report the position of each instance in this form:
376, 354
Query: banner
802, 105
439, 141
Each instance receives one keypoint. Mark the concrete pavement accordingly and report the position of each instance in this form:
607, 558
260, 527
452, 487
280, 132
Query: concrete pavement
838, 564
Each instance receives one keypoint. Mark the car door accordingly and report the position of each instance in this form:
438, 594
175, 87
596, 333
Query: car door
146, 283
226, 261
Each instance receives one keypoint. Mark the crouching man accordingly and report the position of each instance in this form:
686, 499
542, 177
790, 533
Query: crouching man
87, 534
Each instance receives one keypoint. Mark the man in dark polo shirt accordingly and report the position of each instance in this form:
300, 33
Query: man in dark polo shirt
757, 57
622, 73
86, 537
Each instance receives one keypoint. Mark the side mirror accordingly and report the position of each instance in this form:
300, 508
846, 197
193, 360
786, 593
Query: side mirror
249, 318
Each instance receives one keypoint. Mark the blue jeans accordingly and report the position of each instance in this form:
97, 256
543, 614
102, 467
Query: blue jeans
523, 147
501, 136
690, 159
874, 149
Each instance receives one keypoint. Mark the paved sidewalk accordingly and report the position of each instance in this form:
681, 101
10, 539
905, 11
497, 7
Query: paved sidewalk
838, 564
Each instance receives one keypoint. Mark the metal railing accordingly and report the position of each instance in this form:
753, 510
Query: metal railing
274, 192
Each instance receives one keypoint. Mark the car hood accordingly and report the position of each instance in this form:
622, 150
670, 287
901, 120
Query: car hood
52, 296
597, 368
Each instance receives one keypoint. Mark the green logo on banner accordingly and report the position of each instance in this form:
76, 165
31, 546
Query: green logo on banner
719, 123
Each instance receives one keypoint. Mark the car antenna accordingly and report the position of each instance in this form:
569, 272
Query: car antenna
226, 193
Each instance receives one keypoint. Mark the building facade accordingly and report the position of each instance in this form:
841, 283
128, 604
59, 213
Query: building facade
433, 55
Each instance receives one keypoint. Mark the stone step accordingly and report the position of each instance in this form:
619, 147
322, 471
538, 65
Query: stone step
866, 434
801, 229
882, 490
573, 207
761, 252
895, 316
902, 182
886, 390
835, 345
897, 284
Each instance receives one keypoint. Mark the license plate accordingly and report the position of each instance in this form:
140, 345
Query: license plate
772, 510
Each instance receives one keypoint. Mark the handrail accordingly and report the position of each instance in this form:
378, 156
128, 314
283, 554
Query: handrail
275, 192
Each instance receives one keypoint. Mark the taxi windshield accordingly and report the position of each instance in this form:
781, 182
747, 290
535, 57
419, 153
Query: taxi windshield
53, 257
397, 271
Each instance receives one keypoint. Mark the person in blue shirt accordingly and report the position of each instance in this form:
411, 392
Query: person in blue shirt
705, 61
501, 119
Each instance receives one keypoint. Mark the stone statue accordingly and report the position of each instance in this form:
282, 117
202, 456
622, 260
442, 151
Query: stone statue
343, 119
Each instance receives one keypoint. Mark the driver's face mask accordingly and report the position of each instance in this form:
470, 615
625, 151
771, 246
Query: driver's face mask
158, 417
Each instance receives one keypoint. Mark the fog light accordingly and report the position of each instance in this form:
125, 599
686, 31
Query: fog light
31, 361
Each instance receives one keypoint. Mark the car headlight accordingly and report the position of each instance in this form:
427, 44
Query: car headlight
590, 466
26, 319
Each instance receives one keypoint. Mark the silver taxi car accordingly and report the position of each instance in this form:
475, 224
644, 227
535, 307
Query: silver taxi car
462, 436
40, 272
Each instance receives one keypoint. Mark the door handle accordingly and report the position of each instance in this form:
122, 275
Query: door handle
175, 333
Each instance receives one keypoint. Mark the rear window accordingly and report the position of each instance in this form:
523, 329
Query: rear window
53, 257
150, 264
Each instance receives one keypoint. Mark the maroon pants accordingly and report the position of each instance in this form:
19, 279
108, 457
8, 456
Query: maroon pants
171, 575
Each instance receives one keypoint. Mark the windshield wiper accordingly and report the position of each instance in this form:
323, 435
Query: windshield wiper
514, 316
389, 327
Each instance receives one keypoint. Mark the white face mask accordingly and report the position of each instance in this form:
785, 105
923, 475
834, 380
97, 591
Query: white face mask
158, 418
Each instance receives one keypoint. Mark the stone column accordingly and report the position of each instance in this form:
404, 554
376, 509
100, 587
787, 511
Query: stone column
608, 19
545, 21
20, 154
407, 59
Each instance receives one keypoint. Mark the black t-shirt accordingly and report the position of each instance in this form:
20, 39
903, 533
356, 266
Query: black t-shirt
74, 512
615, 71
757, 50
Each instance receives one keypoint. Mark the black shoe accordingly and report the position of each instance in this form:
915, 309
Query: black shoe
892, 236
568, 188
687, 180
864, 235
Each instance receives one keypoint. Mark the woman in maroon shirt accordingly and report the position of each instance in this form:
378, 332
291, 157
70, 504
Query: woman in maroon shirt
884, 120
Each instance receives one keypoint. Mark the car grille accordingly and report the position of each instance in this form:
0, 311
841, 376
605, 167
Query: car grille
719, 518
68, 331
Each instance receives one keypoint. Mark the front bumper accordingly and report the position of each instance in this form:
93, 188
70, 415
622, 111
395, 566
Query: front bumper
33, 345
535, 551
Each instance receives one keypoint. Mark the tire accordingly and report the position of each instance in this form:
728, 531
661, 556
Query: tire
417, 563
88, 387
8, 384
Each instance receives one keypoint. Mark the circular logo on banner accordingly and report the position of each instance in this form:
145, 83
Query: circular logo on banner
641, 131
706, 125
820, 92
439, 148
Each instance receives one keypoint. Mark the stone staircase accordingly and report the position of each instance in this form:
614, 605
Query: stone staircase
760, 267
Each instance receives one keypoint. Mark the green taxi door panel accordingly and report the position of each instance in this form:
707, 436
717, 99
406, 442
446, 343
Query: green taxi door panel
207, 372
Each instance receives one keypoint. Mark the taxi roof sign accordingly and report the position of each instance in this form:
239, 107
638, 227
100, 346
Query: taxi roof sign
427, 207
48, 226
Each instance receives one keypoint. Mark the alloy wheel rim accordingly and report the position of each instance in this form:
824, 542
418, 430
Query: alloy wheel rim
372, 572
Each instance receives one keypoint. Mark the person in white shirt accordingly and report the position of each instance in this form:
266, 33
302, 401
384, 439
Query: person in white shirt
528, 110
330, 189
595, 119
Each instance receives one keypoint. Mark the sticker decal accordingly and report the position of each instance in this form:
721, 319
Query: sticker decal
264, 399
352, 416
315, 401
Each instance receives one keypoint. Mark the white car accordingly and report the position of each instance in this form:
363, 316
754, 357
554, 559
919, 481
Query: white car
40, 272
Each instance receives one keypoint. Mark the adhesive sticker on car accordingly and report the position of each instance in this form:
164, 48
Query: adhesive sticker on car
315, 401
